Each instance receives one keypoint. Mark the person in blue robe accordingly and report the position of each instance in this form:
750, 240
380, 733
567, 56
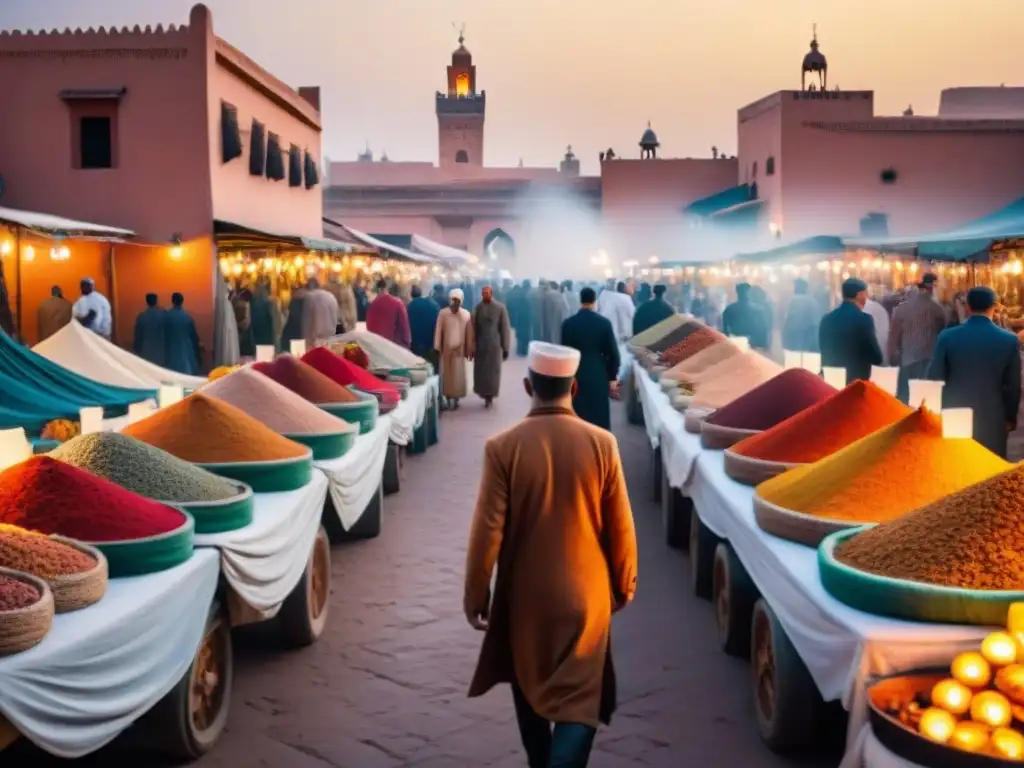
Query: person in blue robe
149, 341
593, 336
423, 312
524, 322
184, 353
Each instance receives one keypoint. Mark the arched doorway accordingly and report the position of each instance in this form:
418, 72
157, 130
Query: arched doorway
461, 156
499, 248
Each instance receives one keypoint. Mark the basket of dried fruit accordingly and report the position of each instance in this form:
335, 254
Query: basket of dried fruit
26, 611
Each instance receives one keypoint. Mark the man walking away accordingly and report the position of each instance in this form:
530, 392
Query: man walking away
453, 340
980, 364
916, 324
53, 313
388, 317
553, 514
880, 317
184, 353
618, 307
149, 341
598, 372
846, 335
743, 318
423, 312
319, 314
653, 311
491, 337
800, 329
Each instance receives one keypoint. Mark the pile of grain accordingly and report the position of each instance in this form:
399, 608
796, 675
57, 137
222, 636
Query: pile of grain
676, 335
821, 430
972, 539
275, 405
143, 469
659, 330
692, 368
732, 378
693, 344
884, 475
206, 430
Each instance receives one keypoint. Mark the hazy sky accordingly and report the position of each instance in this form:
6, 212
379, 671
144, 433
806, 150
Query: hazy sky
586, 72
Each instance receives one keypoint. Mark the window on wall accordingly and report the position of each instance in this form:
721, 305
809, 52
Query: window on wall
461, 156
96, 142
462, 84
753, 170
769, 166
93, 116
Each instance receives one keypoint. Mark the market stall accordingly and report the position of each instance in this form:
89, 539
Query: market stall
355, 500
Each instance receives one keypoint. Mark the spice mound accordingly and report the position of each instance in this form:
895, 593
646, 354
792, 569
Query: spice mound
49, 496
354, 354
15, 594
830, 425
659, 330
676, 335
306, 381
343, 372
275, 405
696, 342
31, 552
776, 400
692, 368
382, 352
143, 469
885, 475
732, 378
972, 539
206, 430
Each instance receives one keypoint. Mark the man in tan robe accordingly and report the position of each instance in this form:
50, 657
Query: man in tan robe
553, 514
453, 340
319, 314
53, 313
346, 298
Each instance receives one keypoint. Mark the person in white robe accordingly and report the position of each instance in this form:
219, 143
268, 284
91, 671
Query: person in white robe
453, 340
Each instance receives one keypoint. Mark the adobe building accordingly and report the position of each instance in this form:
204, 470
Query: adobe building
170, 132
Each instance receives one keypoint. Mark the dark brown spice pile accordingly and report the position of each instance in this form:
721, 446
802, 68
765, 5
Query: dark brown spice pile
15, 594
972, 539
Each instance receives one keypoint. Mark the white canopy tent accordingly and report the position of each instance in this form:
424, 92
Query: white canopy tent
58, 225
445, 253
384, 248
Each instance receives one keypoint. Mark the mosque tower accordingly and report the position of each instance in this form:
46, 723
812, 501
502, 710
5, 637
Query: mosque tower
460, 113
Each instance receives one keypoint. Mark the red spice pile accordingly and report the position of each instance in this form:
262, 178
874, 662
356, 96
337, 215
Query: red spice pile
306, 381
15, 594
49, 496
831, 424
776, 400
696, 342
345, 372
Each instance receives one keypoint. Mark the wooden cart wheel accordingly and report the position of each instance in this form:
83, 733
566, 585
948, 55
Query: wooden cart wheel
786, 701
734, 595
189, 720
303, 616
702, 555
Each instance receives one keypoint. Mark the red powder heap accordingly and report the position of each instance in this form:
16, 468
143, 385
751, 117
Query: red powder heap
340, 370
306, 381
49, 496
774, 401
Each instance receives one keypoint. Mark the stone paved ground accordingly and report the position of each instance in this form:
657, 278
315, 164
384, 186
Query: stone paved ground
385, 686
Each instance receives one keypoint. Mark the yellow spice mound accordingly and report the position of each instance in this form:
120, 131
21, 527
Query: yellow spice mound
886, 474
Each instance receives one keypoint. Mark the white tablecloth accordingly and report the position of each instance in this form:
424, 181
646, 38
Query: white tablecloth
355, 477
101, 668
411, 412
654, 402
265, 560
841, 647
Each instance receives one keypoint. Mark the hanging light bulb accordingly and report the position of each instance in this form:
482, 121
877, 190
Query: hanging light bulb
5, 247
268, 264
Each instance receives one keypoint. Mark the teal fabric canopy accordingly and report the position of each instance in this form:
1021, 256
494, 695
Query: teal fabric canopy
968, 242
823, 244
34, 386
719, 201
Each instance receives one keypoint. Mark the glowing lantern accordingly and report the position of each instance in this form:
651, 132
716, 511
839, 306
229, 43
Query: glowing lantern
952, 696
971, 669
937, 724
991, 708
999, 649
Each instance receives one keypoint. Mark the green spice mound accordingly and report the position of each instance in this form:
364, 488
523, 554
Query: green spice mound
143, 469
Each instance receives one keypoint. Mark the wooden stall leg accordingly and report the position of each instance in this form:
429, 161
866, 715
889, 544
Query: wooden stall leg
675, 515
786, 701
657, 471
702, 555
392, 477
634, 410
734, 595
303, 616
368, 525
189, 720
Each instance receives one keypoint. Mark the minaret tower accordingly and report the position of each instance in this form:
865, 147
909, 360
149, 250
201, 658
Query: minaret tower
460, 112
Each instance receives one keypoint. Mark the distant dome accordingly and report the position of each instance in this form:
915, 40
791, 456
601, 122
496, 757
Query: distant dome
461, 56
650, 138
815, 60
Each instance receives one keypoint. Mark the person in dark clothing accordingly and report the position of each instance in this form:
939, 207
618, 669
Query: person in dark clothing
264, 320
980, 365
653, 311
293, 325
149, 341
643, 295
598, 372
423, 312
846, 335
184, 353
743, 318
760, 300
524, 322
800, 329
362, 302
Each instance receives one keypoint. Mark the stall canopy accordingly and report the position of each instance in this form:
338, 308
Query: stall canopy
444, 253
385, 249
819, 244
59, 226
968, 242
745, 214
237, 237
727, 198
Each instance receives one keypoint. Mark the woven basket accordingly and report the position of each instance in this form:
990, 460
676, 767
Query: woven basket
79, 590
905, 599
24, 628
749, 471
694, 420
796, 526
718, 438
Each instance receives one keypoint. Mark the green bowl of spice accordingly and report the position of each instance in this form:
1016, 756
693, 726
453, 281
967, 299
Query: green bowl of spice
228, 514
268, 476
137, 557
364, 413
327, 446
